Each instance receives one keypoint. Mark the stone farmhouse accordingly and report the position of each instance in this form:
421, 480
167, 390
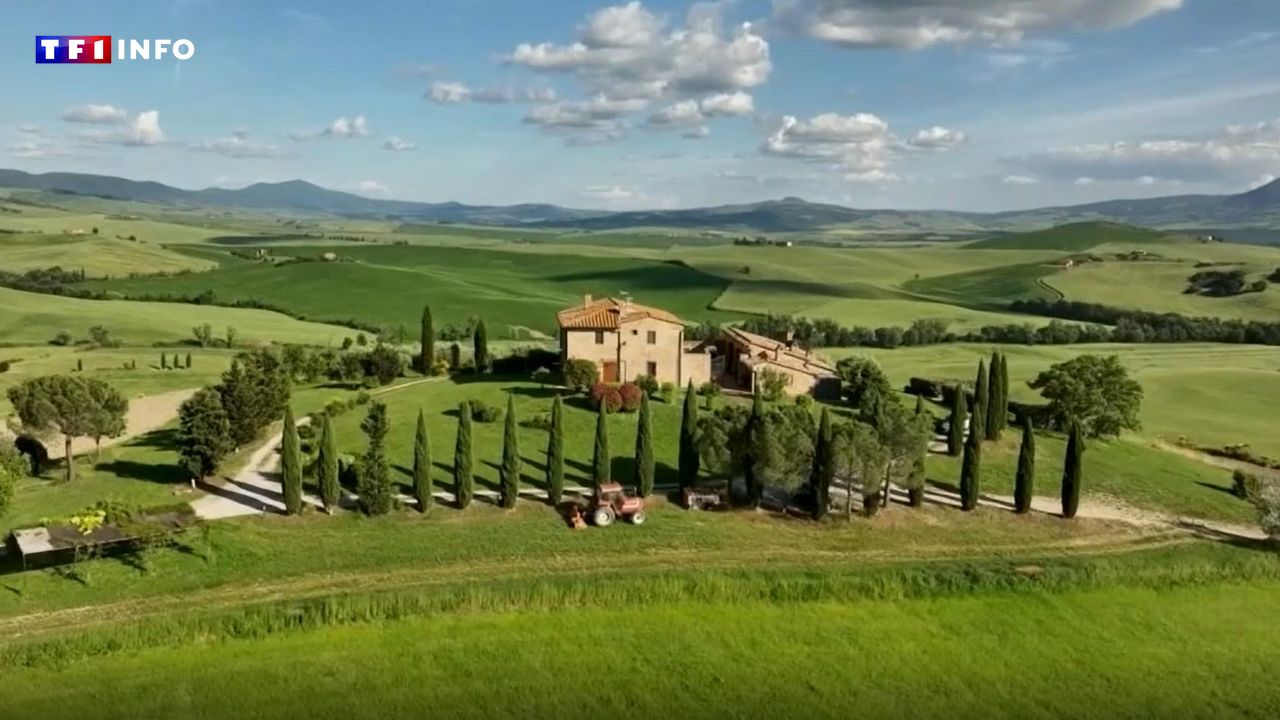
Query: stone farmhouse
625, 339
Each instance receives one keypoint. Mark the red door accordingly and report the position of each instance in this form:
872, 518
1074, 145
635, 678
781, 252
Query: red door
609, 371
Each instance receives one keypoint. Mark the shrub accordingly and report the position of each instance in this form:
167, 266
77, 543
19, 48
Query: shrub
607, 394
667, 392
440, 367
580, 374
363, 397
1245, 486
538, 421
483, 412
630, 395
804, 401
648, 383
4, 366
62, 338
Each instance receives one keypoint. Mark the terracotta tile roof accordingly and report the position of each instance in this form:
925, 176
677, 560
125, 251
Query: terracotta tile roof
608, 314
760, 350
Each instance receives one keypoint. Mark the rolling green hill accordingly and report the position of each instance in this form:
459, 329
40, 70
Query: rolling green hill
34, 318
1073, 237
388, 285
97, 255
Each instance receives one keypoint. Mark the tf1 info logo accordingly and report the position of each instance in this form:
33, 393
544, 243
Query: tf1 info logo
96, 49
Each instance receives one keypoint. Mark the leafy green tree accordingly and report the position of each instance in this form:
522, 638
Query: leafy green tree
1024, 484
384, 364
480, 342
601, 459
644, 449
464, 480
427, 358
203, 334
375, 472
327, 466
510, 457
204, 434
9, 474
864, 383
1073, 471
971, 471
956, 424
1094, 391
905, 437
994, 403
981, 394
422, 487
757, 445
73, 406
689, 460
555, 452
823, 466
771, 383
107, 417
858, 462
291, 465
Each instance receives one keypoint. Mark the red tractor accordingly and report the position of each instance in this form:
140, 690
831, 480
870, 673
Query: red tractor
610, 502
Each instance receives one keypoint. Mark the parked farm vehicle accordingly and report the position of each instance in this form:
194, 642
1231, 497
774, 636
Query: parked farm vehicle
702, 498
610, 502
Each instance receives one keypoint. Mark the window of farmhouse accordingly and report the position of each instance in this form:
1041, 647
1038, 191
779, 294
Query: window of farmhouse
653, 337
599, 337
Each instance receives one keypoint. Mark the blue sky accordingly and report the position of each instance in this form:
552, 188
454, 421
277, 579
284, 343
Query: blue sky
974, 105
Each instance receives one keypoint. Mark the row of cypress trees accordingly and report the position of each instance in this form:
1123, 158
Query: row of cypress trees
988, 420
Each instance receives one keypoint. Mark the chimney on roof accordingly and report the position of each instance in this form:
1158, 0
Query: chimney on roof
586, 300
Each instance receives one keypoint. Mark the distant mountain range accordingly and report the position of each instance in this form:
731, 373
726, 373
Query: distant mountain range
1259, 208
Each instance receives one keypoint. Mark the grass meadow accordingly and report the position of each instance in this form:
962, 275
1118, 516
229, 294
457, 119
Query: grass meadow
31, 318
1207, 652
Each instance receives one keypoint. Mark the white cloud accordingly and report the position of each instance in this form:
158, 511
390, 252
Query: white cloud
396, 144
96, 114
344, 128
450, 93
696, 133
1234, 153
237, 145
142, 131
372, 187
1019, 180
627, 53
586, 122
447, 92
612, 193
34, 149
913, 24
861, 145
1083, 181
937, 138
692, 115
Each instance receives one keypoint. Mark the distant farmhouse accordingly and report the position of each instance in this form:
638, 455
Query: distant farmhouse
625, 339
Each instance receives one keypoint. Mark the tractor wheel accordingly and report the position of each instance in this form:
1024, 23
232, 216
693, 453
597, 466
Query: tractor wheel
602, 517
638, 518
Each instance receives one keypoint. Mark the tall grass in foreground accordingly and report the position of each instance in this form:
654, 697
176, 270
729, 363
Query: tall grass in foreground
1162, 568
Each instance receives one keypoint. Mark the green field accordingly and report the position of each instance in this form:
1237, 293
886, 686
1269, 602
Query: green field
35, 318
1212, 394
98, 256
1207, 652
388, 285
1075, 237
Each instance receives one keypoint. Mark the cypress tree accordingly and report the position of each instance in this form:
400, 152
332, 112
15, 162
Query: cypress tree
79, 364
327, 466
756, 439
823, 466
600, 461
555, 452
689, 461
916, 480
1072, 472
422, 487
993, 403
428, 340
480, 342
455, 356
291, 465
164, 361
510, 457
981, 393
374, 483
644, 449
971, 471
1024, 485
463, 477
919, 404
959, 414
188, 361
1004, 391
